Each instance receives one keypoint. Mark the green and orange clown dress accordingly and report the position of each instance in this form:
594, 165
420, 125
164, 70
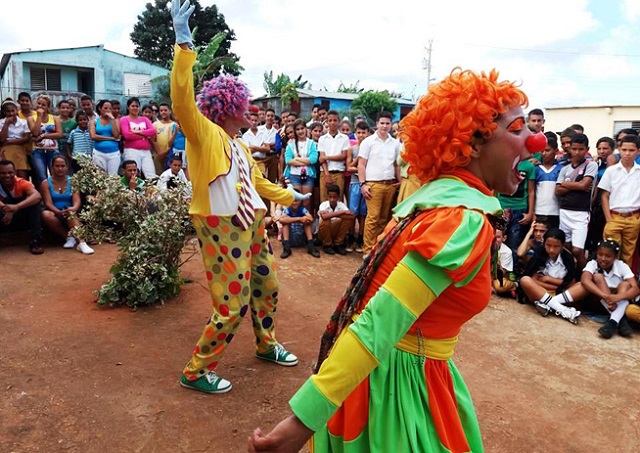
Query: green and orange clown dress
389, 384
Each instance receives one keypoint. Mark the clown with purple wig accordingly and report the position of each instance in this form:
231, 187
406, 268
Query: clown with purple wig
228, 214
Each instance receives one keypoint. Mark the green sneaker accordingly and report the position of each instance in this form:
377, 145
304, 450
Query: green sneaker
279, 355
209, 383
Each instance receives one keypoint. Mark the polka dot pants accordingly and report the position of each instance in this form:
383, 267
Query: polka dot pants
242, 276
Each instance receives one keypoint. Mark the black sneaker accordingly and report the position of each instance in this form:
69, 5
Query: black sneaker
328, 250
608, 329
340, 249
624, 329
286, 253
311, 250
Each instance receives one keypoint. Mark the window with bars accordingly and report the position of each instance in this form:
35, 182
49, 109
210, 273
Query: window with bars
137, 84
45, 79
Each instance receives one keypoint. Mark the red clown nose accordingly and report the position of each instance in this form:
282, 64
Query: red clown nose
536, 143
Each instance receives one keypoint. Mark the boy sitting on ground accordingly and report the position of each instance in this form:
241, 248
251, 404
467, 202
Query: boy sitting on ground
296, 223
504, 283
335, 222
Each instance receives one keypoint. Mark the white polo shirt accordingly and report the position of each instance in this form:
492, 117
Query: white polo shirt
250, 139
619, 272
269, 134
334, 146
381, 156
623, 187
325, 206
555, 269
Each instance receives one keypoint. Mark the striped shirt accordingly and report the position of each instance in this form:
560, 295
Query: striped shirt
80, 142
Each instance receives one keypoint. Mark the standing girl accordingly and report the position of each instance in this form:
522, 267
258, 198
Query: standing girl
549, 273
14, 135
46, 130
105, 133
300, 157
138, 131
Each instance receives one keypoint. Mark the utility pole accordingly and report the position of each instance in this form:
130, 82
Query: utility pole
426, 62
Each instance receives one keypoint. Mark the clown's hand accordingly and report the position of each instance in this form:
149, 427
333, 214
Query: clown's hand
180, 16
297, 195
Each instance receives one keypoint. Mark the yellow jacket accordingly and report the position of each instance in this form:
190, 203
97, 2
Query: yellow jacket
208, 149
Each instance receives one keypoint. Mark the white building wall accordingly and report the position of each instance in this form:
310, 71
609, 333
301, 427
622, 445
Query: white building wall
597, 121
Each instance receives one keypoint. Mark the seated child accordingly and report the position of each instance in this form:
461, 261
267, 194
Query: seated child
549, 274
505, 278
612, 281
296, 223
173, 176
532, 241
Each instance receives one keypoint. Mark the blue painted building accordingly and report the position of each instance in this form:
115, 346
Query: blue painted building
329, 99
91, 70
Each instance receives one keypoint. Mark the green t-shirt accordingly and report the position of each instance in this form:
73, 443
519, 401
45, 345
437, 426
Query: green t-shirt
139, 183
518, 201
67, 127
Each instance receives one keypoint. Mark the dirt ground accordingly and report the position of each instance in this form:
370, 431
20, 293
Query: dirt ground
75, 377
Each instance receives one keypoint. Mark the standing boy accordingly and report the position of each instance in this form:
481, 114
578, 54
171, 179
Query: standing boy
620, 186
379, 176
573, 189
332, 148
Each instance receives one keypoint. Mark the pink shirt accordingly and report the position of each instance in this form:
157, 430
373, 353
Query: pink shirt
135, 141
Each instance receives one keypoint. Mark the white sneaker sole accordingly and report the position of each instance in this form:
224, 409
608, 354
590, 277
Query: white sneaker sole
279, 363
215, 392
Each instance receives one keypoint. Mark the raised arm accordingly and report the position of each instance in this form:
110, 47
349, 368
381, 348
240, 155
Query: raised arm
182, 92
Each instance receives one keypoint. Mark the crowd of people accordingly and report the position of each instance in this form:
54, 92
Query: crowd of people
570, 209
40, 150
570, 240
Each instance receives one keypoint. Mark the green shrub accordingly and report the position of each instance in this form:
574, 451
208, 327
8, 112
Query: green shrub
150, 228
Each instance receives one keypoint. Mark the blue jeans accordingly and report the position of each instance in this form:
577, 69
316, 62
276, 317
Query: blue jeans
516, 231
41, 160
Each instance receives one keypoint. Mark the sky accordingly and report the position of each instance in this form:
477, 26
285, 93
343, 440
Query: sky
563, 52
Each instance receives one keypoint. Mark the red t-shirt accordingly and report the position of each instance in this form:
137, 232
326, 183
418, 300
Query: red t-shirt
20, 189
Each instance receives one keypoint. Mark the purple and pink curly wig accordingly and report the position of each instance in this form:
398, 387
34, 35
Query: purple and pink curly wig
437, 134
223, 97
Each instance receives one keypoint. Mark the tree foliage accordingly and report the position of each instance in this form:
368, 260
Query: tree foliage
206, 66
275, 87
352, 88
370, 103
153, 35
151, 229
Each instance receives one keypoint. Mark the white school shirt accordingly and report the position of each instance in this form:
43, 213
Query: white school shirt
269, 134
623, 187
17, 130
223, 194
555, 269
257, 139
334, 146
546, 202
619, 272
167, 175
506, 257
381, 156
325, 206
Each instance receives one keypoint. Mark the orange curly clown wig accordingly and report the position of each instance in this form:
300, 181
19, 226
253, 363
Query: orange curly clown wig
437, 133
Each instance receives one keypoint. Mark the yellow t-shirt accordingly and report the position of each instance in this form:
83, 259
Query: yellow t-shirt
164, 133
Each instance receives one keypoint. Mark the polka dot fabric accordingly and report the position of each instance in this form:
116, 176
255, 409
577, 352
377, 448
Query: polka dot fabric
241, 274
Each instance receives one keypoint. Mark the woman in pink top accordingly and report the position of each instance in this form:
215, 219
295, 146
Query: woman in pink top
137, 132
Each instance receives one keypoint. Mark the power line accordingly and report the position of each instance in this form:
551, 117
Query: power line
558, 52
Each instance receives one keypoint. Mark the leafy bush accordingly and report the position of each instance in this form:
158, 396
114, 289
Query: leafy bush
150, 228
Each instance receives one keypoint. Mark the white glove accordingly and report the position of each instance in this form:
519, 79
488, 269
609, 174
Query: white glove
297, 195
